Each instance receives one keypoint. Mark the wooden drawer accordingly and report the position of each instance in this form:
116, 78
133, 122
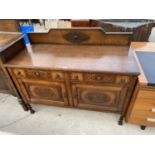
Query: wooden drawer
99, 78
147, 121
144, 109
146, 94
143, 106
39, 74
144, 103
149, 112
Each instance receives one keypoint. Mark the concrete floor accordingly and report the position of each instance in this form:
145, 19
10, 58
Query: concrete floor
57, 120
60, 121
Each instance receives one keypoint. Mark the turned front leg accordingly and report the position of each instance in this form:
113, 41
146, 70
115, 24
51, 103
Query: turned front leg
32, 111
120, 121
23, 104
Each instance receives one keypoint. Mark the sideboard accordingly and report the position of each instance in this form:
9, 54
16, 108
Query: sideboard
80, 68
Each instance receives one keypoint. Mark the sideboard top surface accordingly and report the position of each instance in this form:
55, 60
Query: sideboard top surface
99, 58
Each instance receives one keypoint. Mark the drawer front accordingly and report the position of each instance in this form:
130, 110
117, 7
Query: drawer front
148, 121
99, 78
146, 94
39, 74
144, 108
144, 104
149, 112
97, 97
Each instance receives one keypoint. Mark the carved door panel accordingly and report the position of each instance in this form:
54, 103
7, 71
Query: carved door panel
98, 97
51, 93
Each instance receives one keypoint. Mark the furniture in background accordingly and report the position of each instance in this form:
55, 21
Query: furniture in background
7, 50
142, 108
5, 40
57, 24
9, 25
80, 23
141, 28
80, 68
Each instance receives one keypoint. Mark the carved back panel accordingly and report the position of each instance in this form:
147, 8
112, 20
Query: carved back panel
86, 36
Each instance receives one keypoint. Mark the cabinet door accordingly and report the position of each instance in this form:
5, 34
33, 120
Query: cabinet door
51, 93
98, 97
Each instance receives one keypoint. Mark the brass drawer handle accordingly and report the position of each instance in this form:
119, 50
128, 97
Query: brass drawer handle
18, 74
153, 110
151, 120
58, 77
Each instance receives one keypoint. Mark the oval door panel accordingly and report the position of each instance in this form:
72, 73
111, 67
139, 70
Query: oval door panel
98, 97
50, 92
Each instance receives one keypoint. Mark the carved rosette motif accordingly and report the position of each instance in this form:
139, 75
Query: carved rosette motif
76, 37
97, 97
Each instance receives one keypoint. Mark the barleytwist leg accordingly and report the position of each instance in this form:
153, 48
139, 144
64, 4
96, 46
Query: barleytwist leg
22, 103
120, 121
31, 109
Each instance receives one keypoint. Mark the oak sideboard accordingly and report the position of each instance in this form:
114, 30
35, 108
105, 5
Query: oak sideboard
80, 68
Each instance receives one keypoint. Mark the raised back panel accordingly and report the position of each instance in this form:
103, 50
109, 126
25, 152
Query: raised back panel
86, 36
